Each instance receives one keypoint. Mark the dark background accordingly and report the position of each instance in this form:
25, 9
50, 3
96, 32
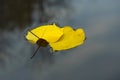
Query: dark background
97, 59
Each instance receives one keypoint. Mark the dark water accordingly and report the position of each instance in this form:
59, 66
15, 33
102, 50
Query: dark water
97, 59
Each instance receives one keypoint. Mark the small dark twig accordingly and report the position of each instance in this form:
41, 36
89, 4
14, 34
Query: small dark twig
35, 52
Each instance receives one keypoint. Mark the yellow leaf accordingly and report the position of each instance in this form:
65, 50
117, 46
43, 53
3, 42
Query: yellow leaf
58, 38
70, 39
51, 33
